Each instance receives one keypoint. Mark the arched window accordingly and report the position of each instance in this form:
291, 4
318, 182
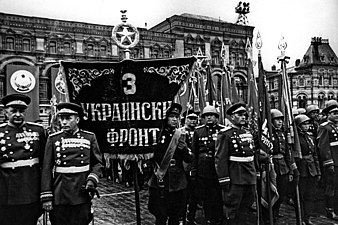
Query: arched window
90, 49
301, 81
330, 79
321, 79
188, 52
103, 50
330, 96
66, 48
52, 47
240, 60
154, 54
10, 43
26, 45
321, 97
302, 101
233, 59
215, 57
166, 54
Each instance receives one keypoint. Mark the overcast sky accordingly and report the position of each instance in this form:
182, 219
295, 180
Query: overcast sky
296, 20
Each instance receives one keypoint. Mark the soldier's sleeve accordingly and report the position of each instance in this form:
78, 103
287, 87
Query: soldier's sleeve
315, 157
324, 146
47, 172
222, 158
96, 164
42, 143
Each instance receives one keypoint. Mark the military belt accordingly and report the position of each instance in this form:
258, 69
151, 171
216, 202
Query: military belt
20, 163
278, 156
71, 169
334, 143
241, 159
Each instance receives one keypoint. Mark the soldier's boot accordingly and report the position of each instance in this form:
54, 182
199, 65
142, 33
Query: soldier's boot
331, 214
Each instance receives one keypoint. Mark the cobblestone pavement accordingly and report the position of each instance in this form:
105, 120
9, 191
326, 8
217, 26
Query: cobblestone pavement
117, 207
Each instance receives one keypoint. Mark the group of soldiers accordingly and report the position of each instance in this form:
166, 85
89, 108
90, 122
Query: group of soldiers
200, 164
205, 164
58, 173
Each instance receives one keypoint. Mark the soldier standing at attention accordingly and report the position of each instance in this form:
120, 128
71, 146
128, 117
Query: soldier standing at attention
71, 169
283, 161
328, 150
21, 151
168, 183
308, 166
235, 167
312, 111
203, 147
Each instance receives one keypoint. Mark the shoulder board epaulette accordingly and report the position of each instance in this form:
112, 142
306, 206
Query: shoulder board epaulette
324, 124
200, 126
3, 124
225, 129
56, 133
86, 131
35, 124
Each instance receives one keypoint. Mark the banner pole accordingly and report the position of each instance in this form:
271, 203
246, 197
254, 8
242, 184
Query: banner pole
137, 194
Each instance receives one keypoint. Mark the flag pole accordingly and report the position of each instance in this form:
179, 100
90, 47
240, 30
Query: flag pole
264, 118
291, 131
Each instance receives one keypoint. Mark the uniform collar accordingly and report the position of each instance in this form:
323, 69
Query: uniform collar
74, 132
15, 126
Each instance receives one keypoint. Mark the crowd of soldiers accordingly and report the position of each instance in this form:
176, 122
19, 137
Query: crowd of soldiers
223, 173
197, 164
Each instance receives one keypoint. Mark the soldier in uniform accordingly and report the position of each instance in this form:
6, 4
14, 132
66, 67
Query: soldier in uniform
235, 167
168, 183
328, 150
21, 151
284, 164
203, 147
190, 124
312, 111
308, 166
71, 169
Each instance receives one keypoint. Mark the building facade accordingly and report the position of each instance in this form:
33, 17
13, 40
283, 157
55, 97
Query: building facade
312, 80
37, 44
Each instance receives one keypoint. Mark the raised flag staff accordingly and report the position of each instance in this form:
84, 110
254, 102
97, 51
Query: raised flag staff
290, 129
264, 134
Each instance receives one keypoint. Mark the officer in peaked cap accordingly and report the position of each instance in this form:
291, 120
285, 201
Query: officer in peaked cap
16, 100
328, 148
235, 167
71, 169
175, 109
69, 108
21, 151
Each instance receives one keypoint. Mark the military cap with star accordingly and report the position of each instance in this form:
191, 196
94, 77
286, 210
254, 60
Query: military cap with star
175, 109
16, 100
238, 107
69, 108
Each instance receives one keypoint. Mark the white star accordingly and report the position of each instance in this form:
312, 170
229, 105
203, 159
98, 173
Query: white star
126, 34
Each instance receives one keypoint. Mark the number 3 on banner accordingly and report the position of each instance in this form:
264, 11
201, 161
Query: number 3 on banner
128, 83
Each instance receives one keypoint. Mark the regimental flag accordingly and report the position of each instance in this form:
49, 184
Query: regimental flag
125, 103
22, 79
264, 137
210, 87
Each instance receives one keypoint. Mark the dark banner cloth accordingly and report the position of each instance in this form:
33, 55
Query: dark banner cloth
125, 102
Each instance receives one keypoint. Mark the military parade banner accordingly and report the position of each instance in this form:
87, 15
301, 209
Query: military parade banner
125, 103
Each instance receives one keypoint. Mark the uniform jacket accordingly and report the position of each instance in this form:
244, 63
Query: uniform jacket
189, 134
235, 142
308, 165
313, 129
328, 143
174, 179
21, 185
203, 148
282, 159
66, 151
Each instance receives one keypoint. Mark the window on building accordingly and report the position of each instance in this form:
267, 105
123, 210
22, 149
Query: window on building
188, 52
331, 79
301, 81
233, 59
154, 54
52, 47
90, 49
26, 45
166, 54
135, 53
66, 48
103, 50
321, 79
10, 43
272, 84
273, 102
215, 57
330, 96
240, 60
321, 97
302, 101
